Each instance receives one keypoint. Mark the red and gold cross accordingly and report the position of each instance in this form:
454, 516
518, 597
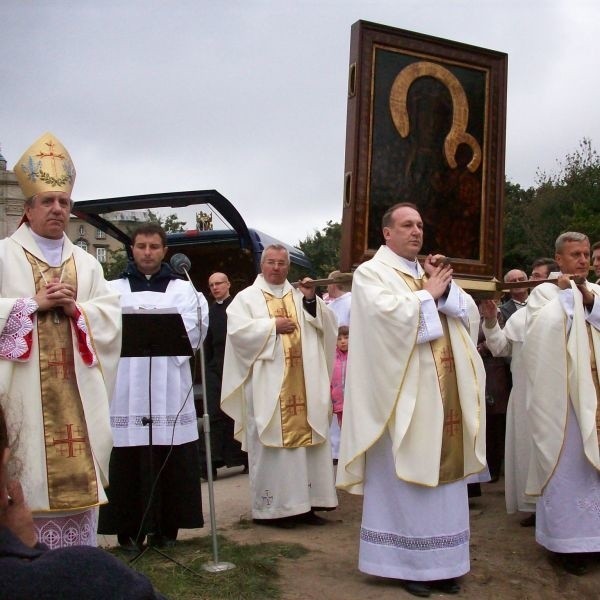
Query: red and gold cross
451, 421
57, 363
70, 450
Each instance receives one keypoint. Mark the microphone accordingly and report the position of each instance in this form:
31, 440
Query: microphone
180, 263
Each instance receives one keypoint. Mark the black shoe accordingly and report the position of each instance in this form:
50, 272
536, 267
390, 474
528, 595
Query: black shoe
282, 523
446, 586
528, 521
309, 518
417, 588
574, 564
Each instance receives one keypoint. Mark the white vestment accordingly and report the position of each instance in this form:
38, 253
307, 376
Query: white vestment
413, 527
20, 379
562, 406
283, 481
173, 412
341, 308
517, 451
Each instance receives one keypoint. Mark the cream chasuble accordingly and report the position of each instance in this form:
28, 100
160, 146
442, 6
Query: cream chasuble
393, 383
26, 387
559, 355
452, 456
276, 388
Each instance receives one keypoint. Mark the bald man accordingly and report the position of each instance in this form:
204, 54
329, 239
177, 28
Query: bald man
518, 296
224, 449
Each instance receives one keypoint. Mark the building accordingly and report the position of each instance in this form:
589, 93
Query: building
11, 201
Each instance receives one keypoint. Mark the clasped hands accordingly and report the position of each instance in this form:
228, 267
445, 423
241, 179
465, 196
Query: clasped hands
439, 275
57, 294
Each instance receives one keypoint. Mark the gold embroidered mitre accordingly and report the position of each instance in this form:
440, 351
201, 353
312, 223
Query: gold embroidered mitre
45, 166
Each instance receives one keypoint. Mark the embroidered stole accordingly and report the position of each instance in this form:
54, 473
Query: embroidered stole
69, 462
452, 462
295, 429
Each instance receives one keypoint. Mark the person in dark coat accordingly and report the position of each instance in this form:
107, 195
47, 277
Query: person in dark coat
225, 450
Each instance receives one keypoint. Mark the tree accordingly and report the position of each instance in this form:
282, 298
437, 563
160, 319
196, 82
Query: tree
568, 200
323, 248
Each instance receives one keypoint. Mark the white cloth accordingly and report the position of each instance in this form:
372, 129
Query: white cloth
20, 382
410, 531
568, 513
283, 481
517, 450
341, 308
173, 412
335, 432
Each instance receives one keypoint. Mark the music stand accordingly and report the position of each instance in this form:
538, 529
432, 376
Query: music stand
153, 333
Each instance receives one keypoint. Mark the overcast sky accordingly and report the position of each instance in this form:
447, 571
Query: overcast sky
249, 97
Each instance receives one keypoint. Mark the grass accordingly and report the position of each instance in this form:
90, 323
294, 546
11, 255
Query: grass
255, 576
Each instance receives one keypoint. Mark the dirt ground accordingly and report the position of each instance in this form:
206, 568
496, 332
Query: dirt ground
506, 562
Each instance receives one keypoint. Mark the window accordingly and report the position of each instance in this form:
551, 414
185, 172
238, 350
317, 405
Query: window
101, 254
81, 230
82, 244
100, 235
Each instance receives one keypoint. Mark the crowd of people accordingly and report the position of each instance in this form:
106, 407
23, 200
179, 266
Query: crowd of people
431, 393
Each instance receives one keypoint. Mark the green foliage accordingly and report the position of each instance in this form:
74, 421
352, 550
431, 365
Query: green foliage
323, 249
568, 200
115, 264
170, 223
255, 575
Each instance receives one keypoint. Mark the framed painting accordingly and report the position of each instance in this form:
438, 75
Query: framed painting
426, 124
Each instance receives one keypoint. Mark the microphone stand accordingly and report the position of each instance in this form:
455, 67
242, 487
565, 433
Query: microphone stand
214, 566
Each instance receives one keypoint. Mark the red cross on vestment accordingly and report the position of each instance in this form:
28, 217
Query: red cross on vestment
293, 404
70, 450
447, 359
293, 358
450, 422
57, 363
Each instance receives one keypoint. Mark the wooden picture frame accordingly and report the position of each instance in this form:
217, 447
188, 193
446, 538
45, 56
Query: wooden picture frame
426, 124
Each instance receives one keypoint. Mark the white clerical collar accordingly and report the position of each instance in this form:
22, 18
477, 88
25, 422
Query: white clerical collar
520, 303
51, 249
411, 265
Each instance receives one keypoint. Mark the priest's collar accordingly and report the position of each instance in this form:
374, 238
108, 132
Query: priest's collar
410, 267
276, 290
51, 249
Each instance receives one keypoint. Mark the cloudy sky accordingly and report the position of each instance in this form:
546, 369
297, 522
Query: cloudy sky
249, 96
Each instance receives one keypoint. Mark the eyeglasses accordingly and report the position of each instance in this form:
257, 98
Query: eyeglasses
276, 263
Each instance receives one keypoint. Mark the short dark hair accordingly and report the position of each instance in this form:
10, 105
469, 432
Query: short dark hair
595, 246
544, 261
343, 330
149, 229
386, 220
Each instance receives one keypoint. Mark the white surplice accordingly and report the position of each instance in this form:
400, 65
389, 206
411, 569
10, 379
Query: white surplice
283, 481
173, 412
517, 450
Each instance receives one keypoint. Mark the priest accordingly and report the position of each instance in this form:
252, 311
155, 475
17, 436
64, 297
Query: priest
59, 349
278, 362
414, 412
561, 349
